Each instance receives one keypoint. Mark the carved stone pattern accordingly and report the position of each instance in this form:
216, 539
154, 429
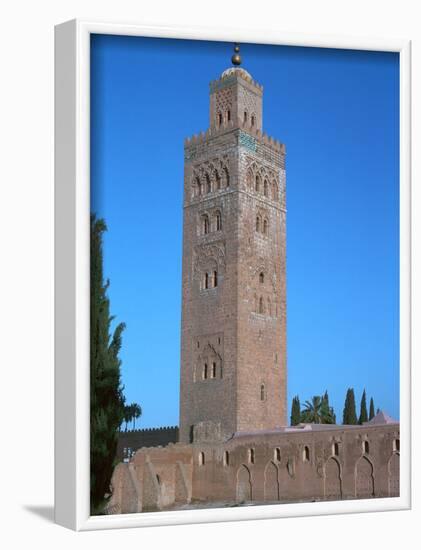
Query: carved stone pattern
257, 169
223, 101
211, 168
249, 100
203, 253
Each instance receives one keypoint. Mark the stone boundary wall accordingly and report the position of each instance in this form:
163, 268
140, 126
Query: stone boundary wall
132, 440
290, 465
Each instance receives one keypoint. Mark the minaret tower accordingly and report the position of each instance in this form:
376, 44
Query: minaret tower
233, 335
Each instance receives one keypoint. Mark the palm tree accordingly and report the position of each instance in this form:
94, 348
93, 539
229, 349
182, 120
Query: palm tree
136, 412
317, 411
127, 414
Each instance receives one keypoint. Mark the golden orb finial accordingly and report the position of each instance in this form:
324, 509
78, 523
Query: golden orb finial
236, 58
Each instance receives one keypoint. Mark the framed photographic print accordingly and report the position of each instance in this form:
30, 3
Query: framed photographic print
232, 275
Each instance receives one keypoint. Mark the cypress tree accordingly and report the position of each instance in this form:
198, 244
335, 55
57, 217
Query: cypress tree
329, 416
107, 400
349, 414
363, 409
372, 414
295, 411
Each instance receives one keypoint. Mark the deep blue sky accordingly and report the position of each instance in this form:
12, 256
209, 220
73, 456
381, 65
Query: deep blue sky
337, 111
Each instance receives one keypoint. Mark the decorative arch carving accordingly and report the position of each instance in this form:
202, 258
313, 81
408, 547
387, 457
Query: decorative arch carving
209, 255
364, 478
244, 484
332, 479
271, 484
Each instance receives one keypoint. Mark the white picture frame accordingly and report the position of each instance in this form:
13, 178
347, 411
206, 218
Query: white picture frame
72, 191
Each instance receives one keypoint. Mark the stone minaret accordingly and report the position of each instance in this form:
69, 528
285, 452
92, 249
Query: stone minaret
233, 336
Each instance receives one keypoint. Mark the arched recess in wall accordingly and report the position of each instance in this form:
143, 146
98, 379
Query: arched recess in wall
208, 185
333, 484
284, 479
217, 179
393, 471
271, 487
274, 191
364, 479
249, 179
226, 177
196, 186
244, 484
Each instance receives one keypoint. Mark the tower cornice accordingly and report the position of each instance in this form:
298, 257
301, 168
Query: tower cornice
243, 129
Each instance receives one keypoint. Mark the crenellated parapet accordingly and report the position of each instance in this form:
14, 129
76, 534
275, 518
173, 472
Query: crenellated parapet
229, 76
130, 441
149, 430
228, 126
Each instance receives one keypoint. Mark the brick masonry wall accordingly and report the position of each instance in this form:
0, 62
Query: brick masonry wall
221, 325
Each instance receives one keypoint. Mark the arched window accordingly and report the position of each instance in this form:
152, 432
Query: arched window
265, 227
213, 373
205, 224
251, 456
218, 221
217, 180
201, 459
245, 117
261, 305
335, 449
253, 120
277, 454
265, 188
306, 454
262, 392
158, 479
215, 279
226, 458
396, 445
228, 115
198, 187
274, 192
257, 223
226, 177
366, 447
269, 307
206, 281
219, 119
261, 277
205, 371
257, 187
208, 184
250, 178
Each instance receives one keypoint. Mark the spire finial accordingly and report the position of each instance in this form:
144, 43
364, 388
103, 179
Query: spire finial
236, 58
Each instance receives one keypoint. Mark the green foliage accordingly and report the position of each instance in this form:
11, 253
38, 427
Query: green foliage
295, 411
317, 411
332, 416
363, 409
349, 414
131, 412
372, 413
107, 400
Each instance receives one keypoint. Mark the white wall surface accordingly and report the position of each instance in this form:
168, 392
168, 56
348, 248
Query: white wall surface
26, 274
